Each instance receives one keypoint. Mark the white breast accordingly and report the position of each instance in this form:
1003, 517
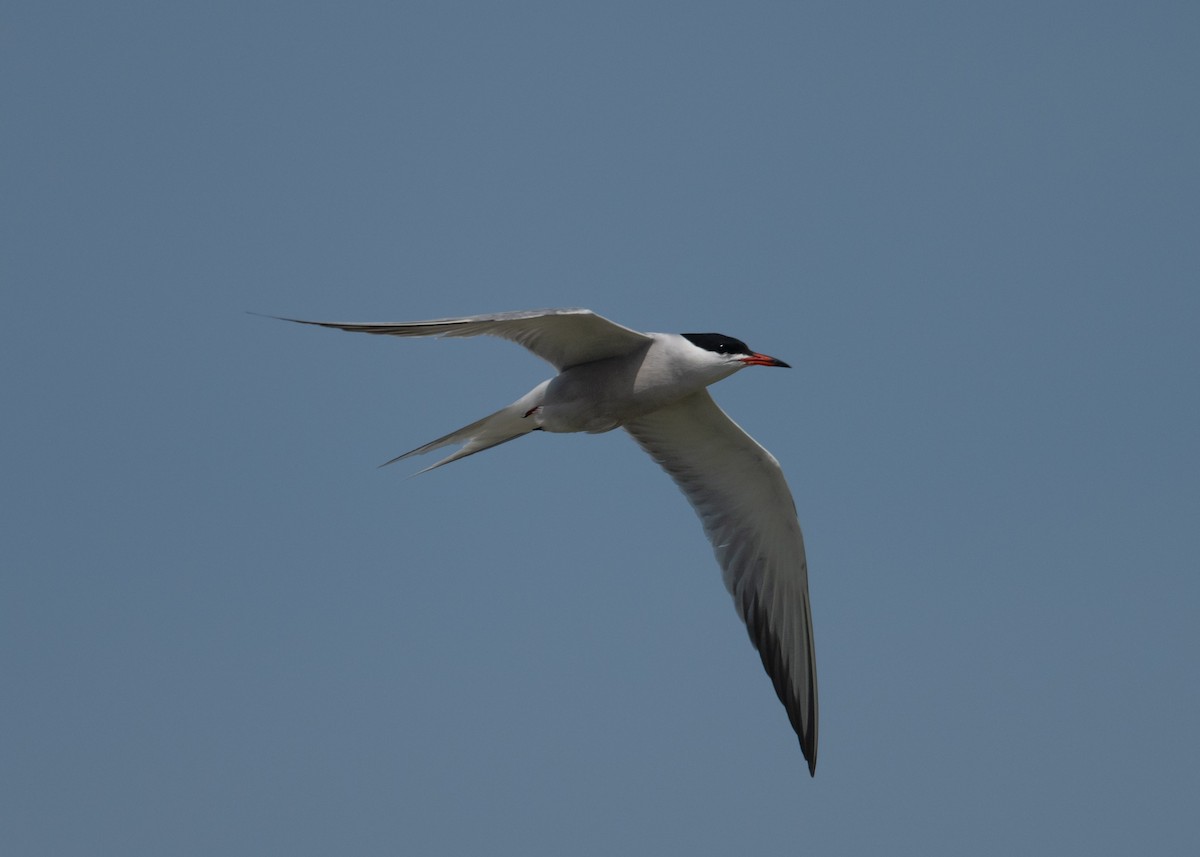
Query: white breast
605, 394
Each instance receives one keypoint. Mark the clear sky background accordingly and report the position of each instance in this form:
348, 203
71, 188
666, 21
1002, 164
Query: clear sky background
974, 229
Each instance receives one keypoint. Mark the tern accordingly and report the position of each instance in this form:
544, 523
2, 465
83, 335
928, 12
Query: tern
654, 385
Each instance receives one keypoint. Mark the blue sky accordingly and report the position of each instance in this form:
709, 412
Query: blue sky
971, 228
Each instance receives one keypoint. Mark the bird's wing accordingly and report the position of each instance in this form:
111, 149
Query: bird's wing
563, 337
738, 490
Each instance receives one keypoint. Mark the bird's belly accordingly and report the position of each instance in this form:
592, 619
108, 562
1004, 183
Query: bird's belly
604, 395
576, 417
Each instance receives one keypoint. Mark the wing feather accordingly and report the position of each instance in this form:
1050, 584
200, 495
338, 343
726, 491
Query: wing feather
562, 337
738, 490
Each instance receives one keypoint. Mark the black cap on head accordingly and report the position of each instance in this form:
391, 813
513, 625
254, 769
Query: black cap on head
717, 342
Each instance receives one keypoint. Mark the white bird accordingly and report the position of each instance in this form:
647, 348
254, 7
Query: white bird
653, 386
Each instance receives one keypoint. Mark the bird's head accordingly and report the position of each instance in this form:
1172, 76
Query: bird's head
731, 353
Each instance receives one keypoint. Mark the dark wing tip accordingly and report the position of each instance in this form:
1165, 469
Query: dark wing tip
285, 318
800, 703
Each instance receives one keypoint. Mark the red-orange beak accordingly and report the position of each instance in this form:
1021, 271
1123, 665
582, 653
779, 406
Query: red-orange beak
763, 360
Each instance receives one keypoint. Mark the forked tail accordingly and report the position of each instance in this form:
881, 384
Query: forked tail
506, 424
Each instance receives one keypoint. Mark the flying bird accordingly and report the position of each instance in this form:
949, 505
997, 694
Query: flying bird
653, 385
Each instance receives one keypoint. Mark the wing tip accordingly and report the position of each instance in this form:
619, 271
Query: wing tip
293, 320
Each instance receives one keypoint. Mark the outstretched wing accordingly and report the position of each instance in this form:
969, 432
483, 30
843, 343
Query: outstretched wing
738, 490
562, 337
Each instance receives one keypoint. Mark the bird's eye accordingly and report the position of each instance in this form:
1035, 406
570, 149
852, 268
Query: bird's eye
717, 343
